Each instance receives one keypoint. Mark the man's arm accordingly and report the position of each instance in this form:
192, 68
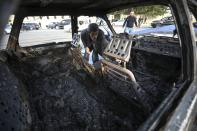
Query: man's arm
174, 32
125, 22
83, 38
135, 20
84, 41
87, 49
104, 42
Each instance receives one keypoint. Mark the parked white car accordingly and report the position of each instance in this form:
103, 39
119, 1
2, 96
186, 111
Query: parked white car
82, 24
118, 23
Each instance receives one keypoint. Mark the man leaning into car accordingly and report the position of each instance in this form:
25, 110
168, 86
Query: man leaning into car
94, 40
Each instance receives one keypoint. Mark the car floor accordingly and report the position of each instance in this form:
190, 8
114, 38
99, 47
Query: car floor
66, 93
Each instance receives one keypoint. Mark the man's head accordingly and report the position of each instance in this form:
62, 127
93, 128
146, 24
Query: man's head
93, 31
132, 13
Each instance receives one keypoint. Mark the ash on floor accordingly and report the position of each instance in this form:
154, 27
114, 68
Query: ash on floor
65, 94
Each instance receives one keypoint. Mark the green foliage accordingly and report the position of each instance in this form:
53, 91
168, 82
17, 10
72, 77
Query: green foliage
151, 11
148, 11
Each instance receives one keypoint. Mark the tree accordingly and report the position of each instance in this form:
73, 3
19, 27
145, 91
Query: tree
151, 11
147, 11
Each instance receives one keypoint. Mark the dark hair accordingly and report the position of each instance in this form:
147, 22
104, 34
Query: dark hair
93, 27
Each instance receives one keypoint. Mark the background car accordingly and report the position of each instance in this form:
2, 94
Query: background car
30, 26
52, 25
63, 23
114, 20
164, 21
35, 26
82, 24
118, 23
26, 27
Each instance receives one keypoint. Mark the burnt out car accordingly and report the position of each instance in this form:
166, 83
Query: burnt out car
145, 83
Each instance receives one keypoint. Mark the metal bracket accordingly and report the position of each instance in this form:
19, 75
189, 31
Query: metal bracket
119, 71
75, 40
119, 49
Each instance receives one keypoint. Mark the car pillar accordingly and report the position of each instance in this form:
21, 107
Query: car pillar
184, 115
74, 25
13, 43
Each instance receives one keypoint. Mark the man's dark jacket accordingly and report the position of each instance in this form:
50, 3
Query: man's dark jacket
87, 41
130, 21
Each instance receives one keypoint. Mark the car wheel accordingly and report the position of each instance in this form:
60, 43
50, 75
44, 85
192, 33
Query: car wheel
158, 25
57, 27
154, 25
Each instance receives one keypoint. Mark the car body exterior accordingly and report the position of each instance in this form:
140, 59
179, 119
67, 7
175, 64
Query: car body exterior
7, 29
118, 23
26, 27
82, 24
164, 21
30, 26
52, 25
63, 23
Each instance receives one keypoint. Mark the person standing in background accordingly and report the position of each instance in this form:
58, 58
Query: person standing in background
145, 20
129, 22
140, 21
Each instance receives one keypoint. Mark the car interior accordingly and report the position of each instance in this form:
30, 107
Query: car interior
51, 87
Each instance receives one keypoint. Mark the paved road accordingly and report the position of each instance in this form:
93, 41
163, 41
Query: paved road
36, 37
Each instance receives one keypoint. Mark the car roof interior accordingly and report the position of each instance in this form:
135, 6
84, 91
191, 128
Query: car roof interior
77, 7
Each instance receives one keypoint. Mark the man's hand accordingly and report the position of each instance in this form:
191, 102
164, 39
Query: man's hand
87, 50
87, 54
97, 65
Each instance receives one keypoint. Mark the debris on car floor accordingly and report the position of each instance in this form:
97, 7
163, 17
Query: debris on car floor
65, 92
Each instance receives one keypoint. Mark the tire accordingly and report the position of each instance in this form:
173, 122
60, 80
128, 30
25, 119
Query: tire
156, 25
57, 27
